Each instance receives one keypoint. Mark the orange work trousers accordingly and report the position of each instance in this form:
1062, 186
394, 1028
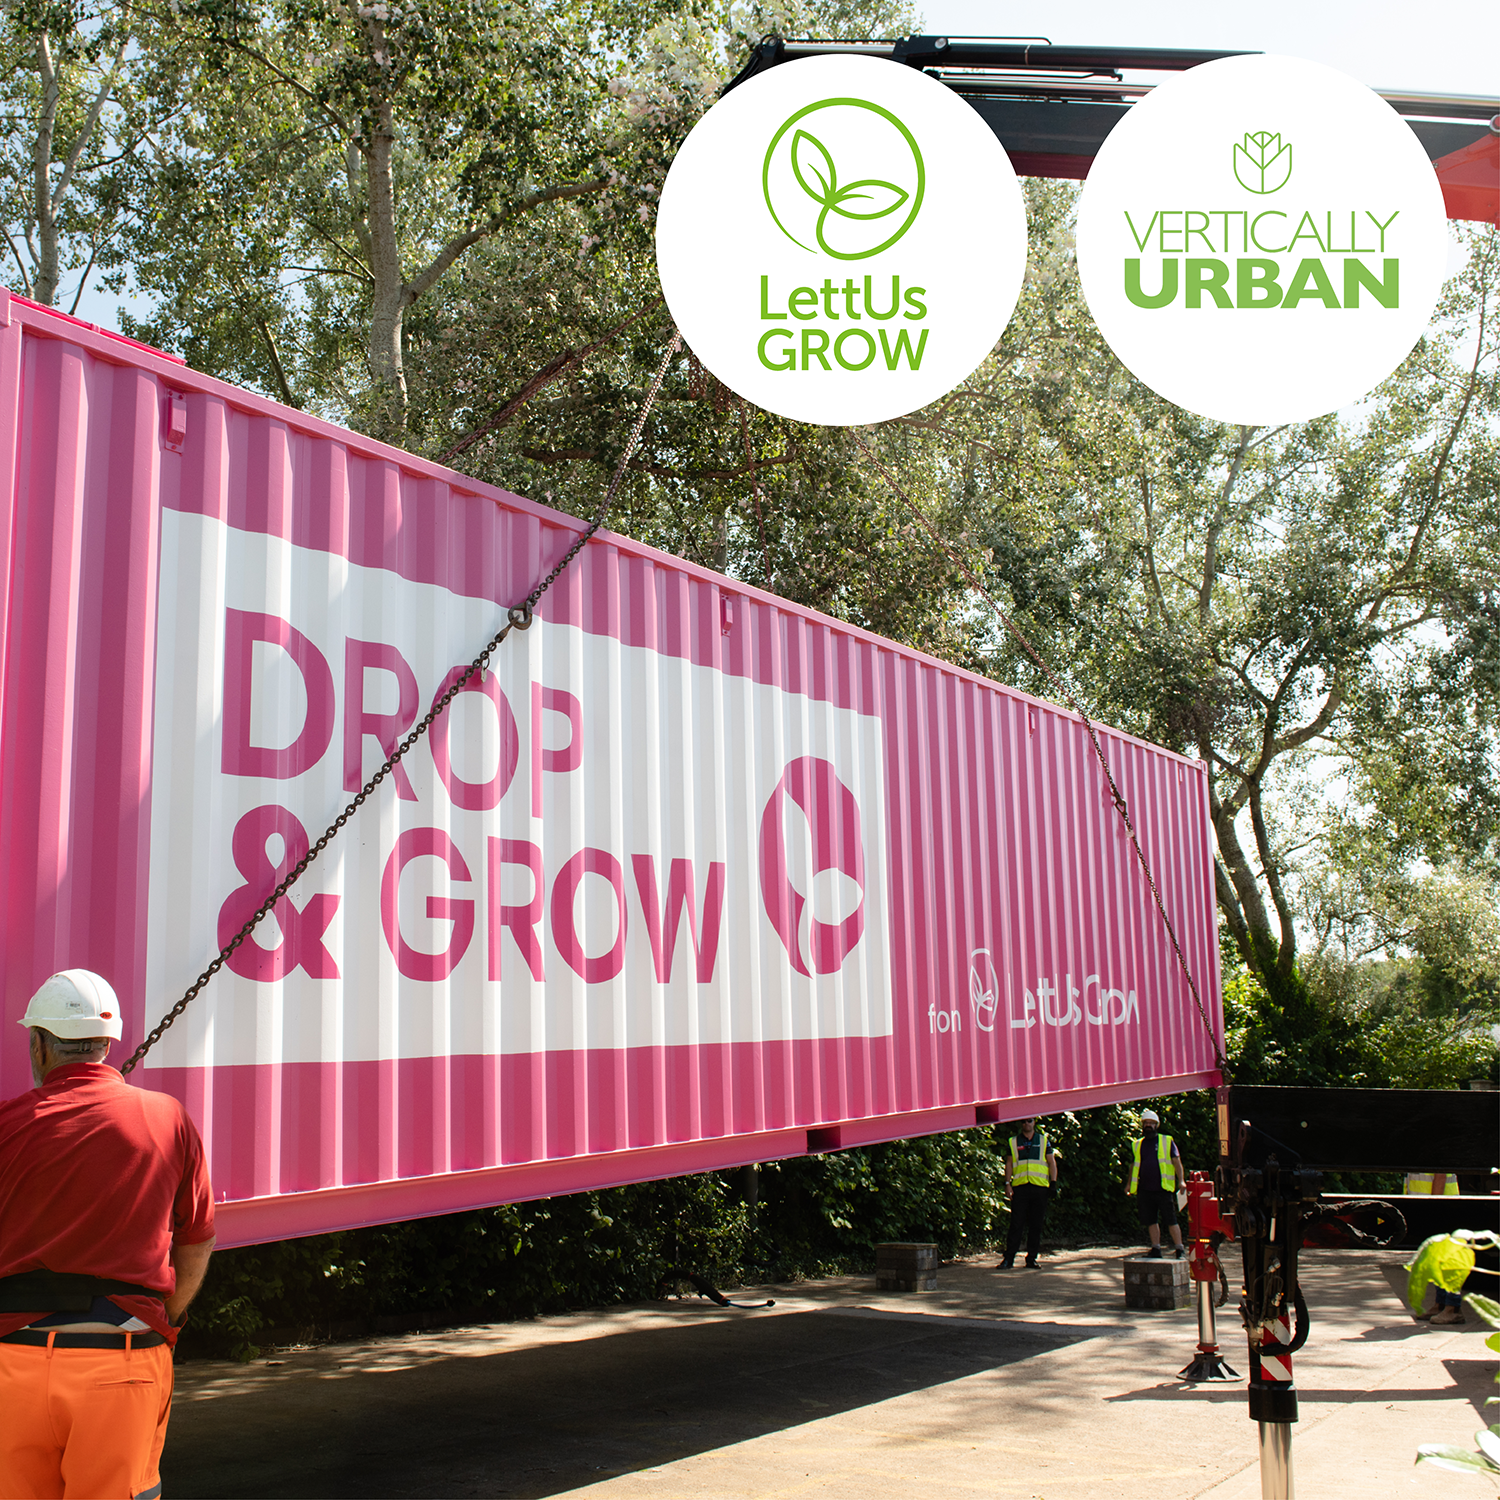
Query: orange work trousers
83, 1422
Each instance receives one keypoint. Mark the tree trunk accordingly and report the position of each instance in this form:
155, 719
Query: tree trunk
1252, 927
389, 301
45, 284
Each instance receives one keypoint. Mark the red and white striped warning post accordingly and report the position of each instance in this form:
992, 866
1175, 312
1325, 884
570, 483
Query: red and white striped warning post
1275, 1361
1273, 1404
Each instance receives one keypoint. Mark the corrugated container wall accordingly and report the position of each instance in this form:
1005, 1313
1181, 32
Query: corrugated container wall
693, 877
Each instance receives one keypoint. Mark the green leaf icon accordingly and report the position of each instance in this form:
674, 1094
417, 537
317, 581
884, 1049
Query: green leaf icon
869, 198
813, 165
847, 220
1262, 162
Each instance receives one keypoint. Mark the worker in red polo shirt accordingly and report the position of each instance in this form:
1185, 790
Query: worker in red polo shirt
106, 1226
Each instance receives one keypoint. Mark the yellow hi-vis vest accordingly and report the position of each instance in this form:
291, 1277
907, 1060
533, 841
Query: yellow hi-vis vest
1025, 1170
1421, 1182
1164, 1160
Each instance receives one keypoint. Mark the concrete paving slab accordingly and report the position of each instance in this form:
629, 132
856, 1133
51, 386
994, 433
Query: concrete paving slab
1036, 1385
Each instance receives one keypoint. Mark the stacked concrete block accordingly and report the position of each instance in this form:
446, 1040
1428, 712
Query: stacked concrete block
901, 1267
1153, 1283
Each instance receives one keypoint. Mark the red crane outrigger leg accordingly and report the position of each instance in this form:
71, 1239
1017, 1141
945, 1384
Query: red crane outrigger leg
1207, 1230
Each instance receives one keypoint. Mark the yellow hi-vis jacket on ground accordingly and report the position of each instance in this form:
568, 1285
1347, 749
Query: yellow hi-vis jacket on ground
1169, 1182
1025, 1170
1421, 1182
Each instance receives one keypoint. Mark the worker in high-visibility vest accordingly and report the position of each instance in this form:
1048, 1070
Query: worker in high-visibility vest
1445, 1183
1155, 1176
1449, 1307
1030, 1175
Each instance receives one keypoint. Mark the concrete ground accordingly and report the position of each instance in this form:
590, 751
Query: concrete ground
1029, 1384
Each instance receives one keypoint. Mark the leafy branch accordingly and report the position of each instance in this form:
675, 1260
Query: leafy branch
1445, 1260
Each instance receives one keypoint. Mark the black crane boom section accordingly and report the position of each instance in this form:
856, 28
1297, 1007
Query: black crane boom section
1052, 106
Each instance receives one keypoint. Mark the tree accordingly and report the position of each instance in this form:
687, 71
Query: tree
1255, 597
341, 160
435, 223
1412, 958
69, 122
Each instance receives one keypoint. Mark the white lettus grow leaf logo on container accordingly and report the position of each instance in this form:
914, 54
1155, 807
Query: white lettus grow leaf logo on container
1263, 162
841, 240
853, 213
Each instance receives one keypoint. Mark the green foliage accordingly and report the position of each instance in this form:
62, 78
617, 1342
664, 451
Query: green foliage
821, 1213
519, 1259
1434, 1053
1429, 1014
82, 84
1445, 1260
1294, 1040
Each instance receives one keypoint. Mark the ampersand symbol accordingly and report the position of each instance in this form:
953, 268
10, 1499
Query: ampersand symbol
301, 944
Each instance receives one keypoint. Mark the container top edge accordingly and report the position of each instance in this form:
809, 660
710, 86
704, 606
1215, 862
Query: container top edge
117, 349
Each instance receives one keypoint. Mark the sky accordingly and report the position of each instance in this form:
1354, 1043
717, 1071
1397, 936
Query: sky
1443, 46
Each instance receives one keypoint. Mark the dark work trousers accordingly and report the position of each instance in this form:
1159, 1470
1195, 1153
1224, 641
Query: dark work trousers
1028, 1210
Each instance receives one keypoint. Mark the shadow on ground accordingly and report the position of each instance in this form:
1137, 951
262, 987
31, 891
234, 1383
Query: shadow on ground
1476, 1379
546, 1419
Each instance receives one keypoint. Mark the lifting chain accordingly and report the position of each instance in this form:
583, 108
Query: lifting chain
518, 617
1121, 806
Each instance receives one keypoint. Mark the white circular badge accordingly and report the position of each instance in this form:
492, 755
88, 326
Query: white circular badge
841, 240
1262, 240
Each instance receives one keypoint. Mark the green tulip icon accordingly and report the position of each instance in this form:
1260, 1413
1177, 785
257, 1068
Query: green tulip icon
1262, 162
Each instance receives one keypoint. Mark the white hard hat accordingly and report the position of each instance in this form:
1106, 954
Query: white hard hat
1151, 1115
75, 1004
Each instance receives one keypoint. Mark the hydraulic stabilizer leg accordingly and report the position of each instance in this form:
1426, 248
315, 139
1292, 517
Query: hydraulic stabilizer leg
1207, 1363
1273, 1406
1206, 1232
1276, 1461
1269, 1224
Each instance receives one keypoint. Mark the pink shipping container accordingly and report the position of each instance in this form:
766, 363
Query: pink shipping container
693, 878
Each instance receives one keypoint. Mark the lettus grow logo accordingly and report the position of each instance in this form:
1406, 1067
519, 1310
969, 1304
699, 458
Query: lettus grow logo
850, 212
1243, 289
841, 241
1263, 162
984, 989
812, 866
